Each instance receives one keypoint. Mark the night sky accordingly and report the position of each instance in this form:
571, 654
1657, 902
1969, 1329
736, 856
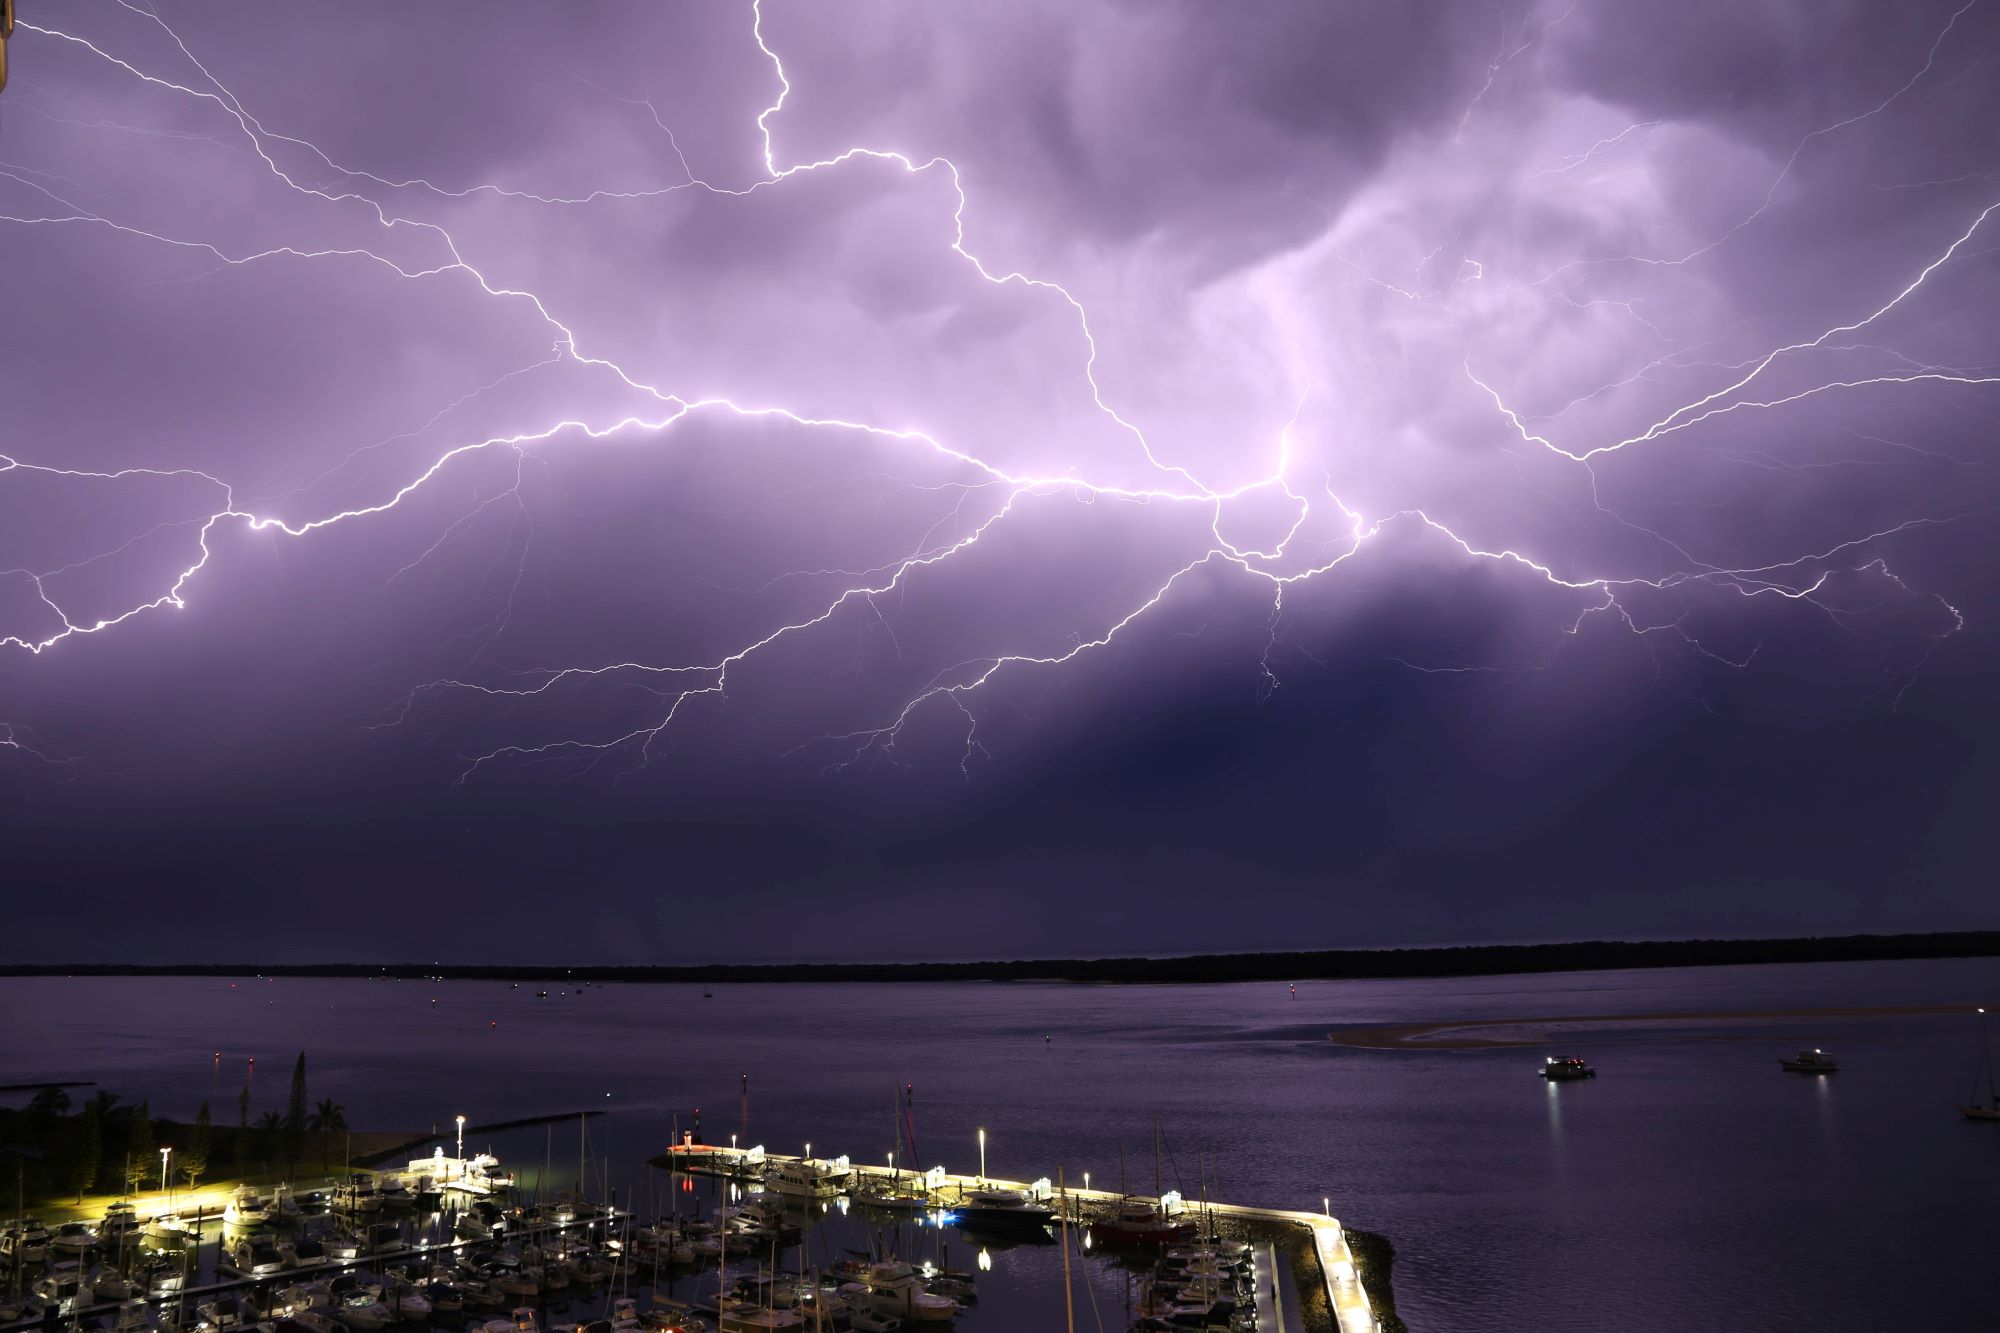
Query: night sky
959, 479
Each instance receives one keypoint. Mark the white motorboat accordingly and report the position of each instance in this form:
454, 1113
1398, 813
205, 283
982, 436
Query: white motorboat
169, 1229
256, 1258
246, 1209
72, 1240
894, 1288
810, 1177
363, 1311
121, 1222
1811, 1060
1565, 1070
108, 1284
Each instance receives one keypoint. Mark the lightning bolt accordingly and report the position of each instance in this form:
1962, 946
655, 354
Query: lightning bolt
1323, 533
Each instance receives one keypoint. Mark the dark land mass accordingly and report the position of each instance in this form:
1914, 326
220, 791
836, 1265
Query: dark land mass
1329, 964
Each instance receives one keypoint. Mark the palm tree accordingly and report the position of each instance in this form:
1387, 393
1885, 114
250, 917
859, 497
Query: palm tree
269, 1126
327, 1119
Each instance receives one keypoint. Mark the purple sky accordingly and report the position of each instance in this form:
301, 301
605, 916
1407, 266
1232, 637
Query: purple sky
995, 478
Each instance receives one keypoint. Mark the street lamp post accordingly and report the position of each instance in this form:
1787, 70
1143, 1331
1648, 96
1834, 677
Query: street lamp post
461, 1138
166, 1181
982, 1154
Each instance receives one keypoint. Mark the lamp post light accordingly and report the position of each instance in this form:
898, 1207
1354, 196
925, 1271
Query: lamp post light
982, 1154
1086, 1182
732, 1143
166, 1181
461, 1137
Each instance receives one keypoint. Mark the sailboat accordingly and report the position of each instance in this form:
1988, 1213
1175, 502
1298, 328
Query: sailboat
1973, 1110
1136, 1220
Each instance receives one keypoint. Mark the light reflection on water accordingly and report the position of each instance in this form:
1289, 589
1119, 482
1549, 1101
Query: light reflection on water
1691, 1185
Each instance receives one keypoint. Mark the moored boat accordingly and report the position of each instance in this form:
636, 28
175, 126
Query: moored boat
1566, 1069
1811, 1060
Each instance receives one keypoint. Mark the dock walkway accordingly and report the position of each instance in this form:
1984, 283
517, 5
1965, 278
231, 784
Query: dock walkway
1338, 1275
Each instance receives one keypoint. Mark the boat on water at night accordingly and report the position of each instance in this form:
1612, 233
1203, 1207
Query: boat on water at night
1811, 1060
1565, 1070
810, 1177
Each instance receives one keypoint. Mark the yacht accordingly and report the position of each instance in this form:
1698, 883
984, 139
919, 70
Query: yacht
246, 1209
27, 1243
812, 1177
121, 1222
1811, 1061
256, 1258
1566, 1069
894, 1288
1002, 1210
73, 1240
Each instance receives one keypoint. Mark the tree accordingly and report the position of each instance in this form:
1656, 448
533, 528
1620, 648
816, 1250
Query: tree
194, 1155
47, 1104
295, 1113
328, 1119
87, 1149
243, 1132
140, 1148
270, 1126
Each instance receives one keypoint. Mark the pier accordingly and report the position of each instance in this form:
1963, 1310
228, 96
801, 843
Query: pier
1348, 1309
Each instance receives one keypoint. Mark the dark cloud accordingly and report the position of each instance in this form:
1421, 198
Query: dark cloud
1267, 603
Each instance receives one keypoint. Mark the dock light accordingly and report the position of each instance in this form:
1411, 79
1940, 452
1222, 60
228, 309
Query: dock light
732, 1143
809, 1152
982, 1154
166, 1181
1327, 1204
1086, 1181
461, 1135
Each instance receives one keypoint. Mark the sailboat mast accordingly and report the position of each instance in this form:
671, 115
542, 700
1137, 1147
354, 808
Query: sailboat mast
1156, 1157
1986, 1045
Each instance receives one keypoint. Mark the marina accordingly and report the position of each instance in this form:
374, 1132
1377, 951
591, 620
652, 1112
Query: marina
402, 1247
1475, 1190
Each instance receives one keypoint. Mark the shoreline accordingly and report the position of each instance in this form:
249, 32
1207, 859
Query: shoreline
1426, 1036
1194, 969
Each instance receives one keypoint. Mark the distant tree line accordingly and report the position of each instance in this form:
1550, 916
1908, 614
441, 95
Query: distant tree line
112, 1145
1326, 964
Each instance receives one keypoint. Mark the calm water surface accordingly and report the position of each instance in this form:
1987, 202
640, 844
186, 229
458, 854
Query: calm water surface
1691, 1186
